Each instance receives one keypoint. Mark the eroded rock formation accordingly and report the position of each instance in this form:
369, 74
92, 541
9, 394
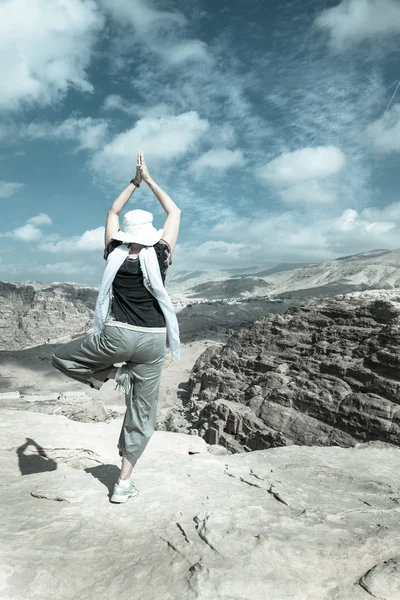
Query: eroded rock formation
34, 314
326, 373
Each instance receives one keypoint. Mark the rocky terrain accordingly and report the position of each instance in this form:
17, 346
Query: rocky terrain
32, 314
293, 523
325, 373
311, 513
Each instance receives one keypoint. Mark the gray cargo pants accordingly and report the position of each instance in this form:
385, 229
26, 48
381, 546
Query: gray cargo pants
89, 359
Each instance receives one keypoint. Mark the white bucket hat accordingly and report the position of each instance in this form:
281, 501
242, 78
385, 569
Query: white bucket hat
139, 229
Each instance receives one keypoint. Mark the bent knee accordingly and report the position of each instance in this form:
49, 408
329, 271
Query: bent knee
55, 361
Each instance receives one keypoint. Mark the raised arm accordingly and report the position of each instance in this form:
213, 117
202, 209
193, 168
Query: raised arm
172, 222
112, 222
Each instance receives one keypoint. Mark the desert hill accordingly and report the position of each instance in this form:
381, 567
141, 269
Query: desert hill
378, 269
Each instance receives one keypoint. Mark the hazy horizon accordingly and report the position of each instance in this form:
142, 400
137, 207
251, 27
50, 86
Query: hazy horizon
173, 276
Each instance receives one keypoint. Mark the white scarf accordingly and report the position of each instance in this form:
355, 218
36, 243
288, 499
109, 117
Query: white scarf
152, 281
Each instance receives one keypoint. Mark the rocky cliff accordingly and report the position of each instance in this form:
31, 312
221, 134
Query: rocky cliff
32, 314
326, 373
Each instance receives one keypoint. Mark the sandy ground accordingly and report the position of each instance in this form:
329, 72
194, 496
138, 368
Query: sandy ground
30, 372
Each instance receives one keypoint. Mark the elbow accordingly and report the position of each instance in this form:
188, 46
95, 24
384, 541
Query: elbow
112, 211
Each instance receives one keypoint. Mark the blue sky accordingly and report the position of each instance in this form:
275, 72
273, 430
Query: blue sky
272, 125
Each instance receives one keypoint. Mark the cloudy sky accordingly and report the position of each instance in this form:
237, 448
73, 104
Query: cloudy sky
275, 127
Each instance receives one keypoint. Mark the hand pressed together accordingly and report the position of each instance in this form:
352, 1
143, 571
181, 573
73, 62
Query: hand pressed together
138, 175
142, 167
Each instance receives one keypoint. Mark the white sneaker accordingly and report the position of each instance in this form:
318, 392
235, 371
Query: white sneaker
122, 492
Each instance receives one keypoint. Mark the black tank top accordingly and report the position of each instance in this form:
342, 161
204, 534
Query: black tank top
132, 302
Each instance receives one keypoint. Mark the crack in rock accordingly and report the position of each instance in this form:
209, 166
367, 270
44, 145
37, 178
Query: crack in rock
277, 496
243, 480
200, 526
171, 545
251, 472
49, 496
183, 532
250, 483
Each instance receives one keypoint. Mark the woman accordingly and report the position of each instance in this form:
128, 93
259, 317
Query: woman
133, 318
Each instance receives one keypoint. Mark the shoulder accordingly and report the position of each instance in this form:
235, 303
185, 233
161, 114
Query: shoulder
163, 251
112, 244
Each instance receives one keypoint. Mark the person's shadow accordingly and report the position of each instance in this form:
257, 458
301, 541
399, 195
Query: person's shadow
106, 474
37, 462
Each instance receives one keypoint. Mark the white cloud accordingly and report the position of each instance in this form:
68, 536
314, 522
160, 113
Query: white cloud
224, 248
65, 268
26, 233
385, 131
116, 102
352, 221
302, 165
24, 270
90, 133
91, 240
289, 236
390, 213
301, 176
158, 30
161, 139
45, 48
219, 159
225, 134
29, 232
307, 192
353, 21
348, 220
187, 50
9, 188
138, 14
41, 219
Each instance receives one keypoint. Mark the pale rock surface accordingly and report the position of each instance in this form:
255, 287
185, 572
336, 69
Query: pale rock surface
291, 523
76, 405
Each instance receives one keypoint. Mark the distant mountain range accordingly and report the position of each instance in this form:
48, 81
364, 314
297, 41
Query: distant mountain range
378, 269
